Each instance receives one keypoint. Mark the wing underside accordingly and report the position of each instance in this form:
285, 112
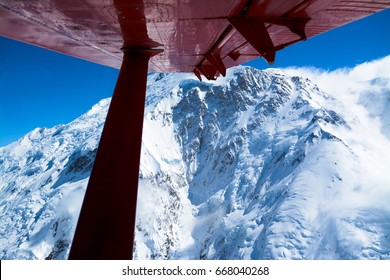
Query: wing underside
203, 36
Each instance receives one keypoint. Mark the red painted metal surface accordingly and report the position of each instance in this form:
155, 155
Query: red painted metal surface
105, 228
187, 31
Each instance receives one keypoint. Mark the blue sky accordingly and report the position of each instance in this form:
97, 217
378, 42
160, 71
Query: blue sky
40, 88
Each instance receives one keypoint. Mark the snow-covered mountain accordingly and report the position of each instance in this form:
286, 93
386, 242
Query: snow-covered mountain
256, 165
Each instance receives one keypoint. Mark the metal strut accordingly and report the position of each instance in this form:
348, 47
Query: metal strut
254, 29
105, 229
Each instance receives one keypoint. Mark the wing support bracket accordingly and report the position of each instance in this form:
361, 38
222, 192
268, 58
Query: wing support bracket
296, 25
254, 30
207, 70
214, 58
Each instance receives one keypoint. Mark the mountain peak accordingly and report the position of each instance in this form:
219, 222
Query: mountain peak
255, 165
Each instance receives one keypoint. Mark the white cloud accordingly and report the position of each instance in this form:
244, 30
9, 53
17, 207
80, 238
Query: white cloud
364, 95
363, 89
347, 80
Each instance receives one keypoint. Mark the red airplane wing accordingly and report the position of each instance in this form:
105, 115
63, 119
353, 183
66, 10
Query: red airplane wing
207, 36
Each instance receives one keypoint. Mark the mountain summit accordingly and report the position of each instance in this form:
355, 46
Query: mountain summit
255, 165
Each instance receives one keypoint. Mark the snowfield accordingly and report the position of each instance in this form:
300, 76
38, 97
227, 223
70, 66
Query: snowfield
273, 164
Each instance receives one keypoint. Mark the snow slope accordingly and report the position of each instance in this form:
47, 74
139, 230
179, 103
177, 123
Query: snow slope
255, 165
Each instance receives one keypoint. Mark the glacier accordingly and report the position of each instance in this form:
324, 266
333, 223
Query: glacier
256, 165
